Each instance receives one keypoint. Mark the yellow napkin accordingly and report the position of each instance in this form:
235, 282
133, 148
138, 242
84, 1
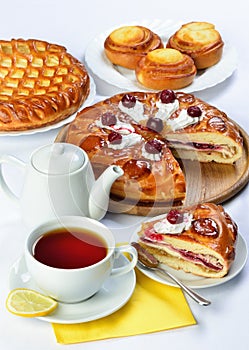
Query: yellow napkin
153, 307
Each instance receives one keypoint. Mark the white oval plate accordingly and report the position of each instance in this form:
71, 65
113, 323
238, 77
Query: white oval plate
114, 294
125, 79
87, 102
197, 282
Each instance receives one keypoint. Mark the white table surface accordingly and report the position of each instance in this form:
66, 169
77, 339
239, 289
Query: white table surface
224, 324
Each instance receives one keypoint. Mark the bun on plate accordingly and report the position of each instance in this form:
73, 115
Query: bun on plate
165, 69
199, 40
126, 45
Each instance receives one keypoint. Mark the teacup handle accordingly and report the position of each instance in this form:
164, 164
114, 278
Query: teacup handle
14, 161
118, 271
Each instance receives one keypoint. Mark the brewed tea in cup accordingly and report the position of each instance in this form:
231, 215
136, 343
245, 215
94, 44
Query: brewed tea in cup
70, 248
71, 258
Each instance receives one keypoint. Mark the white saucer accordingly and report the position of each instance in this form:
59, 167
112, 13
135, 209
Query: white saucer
115, 292
197, 282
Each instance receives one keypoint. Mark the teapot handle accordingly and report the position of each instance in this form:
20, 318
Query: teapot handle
3, 184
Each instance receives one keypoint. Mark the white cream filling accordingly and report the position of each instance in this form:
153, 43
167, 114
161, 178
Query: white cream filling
165, 227
225, 150
195, 258
183, 120
166, 109
127, 141
122, 128
152, 156
136, 112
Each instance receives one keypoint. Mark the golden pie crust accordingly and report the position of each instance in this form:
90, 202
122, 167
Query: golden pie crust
126, 45
165, 69
205, 248
150, 182
201, 41
40, 84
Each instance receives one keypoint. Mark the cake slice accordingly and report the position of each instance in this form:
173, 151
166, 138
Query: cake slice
199, 239
197, 130
148, 134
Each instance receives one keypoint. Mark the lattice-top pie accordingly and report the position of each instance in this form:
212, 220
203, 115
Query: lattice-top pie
40, 84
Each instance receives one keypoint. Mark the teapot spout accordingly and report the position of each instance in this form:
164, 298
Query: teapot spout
99, 195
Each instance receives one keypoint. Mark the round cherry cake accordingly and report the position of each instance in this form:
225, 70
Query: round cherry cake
148, 134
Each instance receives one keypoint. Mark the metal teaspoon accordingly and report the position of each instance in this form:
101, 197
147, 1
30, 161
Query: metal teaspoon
149, 262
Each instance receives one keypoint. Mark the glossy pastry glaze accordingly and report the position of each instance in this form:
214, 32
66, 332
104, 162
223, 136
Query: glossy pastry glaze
138, 137
165, 69
215, 136
145, 180
199, 40
125, 46
211, 226
212, 235
214, 120
41, 83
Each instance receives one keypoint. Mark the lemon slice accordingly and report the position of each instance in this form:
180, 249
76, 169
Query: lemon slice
29, 303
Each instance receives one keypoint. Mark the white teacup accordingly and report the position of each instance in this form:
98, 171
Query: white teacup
70, 280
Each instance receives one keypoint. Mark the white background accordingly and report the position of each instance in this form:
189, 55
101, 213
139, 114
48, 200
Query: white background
74, 23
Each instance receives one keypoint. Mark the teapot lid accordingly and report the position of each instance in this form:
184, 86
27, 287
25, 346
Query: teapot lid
58, 158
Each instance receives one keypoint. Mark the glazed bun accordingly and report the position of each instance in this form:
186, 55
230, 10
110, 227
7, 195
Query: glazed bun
199, 40
165, 69
126, 45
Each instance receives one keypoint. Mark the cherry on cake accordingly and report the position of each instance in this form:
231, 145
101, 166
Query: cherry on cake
198, 239
148, 134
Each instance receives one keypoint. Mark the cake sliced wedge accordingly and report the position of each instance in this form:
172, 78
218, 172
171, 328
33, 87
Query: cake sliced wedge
200, 131
199, 239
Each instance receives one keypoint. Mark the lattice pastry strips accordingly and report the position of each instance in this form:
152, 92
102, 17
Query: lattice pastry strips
40, 84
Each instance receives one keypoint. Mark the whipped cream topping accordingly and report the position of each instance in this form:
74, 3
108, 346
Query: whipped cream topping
129, 137
183, 120
136, 112
152, 156
127, 141
122, 128
165, 227
166, 109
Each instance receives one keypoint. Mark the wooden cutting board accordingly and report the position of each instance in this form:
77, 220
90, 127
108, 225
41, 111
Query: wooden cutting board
206, 182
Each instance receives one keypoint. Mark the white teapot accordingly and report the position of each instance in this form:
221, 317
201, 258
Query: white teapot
59, 181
